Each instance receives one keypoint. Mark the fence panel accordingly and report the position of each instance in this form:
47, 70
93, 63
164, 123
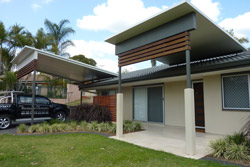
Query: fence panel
107, 101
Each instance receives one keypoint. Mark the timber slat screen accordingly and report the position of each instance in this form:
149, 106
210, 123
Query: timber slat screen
107, 101
167, 46
31, 66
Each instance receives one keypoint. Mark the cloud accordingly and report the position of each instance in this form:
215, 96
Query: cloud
210, 8
5, 1
240, 24
35, 6
47, 1
103, 53
117, 15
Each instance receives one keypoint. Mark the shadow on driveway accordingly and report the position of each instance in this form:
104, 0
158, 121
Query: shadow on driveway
11, 130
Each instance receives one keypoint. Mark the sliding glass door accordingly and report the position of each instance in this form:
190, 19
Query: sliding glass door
148, 104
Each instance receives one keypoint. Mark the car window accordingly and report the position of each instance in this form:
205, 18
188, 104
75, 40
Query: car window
42, 100
25, 99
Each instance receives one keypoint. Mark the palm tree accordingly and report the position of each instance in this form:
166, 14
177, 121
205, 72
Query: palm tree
3, 38
41, 40
9, 81
58, 33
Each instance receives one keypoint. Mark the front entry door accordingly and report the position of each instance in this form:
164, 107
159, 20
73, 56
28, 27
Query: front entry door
199, 106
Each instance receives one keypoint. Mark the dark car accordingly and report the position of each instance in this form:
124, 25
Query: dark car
17, 108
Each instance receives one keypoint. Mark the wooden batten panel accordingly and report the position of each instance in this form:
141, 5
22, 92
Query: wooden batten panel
178, 36
156, 56
31, 66
154, 51
164, 47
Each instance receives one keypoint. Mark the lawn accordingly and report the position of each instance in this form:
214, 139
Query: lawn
79, 150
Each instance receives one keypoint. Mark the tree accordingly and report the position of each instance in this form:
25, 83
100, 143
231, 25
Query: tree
58, 34
84, 59
241, 40
41, 40
9, 81
3, 38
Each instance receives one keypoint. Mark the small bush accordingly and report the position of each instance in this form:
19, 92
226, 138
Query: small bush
62, 127
55, 128
73, 125
218, 147
83, 125
90, 112
103, 127
33, 128
93, 126
111, 128
44, 128
237, 152
128, 126
237, 138
53, 121
22, 128
138, 126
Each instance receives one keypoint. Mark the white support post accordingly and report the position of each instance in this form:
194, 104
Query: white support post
190, 121
119, 115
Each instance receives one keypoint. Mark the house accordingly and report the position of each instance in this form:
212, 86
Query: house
214, 98
203, 84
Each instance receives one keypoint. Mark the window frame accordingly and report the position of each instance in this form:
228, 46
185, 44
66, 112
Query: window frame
223, 95
37, 97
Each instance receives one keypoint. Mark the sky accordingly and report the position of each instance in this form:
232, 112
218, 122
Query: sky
96, 20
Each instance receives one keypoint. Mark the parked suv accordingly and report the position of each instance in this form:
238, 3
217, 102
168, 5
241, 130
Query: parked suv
17, 108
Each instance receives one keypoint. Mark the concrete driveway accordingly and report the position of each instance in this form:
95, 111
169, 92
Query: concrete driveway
11, 130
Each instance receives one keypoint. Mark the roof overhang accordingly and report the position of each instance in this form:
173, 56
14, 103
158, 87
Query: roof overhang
207, 40
59, 66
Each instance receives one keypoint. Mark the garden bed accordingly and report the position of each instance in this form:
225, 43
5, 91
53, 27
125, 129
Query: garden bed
227, 162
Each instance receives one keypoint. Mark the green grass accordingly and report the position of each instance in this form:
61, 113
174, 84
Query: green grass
74, 103
78, 150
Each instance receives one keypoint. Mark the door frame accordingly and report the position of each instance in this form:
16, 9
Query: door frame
163, 102
200, 81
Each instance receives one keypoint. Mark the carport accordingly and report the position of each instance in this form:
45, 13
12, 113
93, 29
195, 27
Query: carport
34, 60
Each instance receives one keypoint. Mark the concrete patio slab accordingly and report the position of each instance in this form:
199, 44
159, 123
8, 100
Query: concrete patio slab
169, 139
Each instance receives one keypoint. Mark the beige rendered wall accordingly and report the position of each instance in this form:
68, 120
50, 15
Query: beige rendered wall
216, 120
127, 103
174, 103
73, 93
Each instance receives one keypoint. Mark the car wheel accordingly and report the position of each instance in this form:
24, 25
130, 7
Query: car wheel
5, 121
60, 116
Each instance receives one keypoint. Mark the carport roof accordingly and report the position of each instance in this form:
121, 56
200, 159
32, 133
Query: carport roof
56, 65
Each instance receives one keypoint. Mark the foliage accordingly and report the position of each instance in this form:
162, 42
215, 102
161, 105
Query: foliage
73, 125
93, 126
103, 127
41, 40
234, 147
9, 81
33, 128
128, 126
44, 128
58, 34
138, 126
89, 112
83, 125
241, 40
83, 59
112, 128
22, 128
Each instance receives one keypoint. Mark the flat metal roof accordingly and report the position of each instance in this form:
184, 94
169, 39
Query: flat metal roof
56, 65
208, 40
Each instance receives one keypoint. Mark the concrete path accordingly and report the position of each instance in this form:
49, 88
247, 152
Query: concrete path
170, 139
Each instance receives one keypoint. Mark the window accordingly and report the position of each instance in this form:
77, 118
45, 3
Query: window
108, 92
236, 92
42, 100
25, 99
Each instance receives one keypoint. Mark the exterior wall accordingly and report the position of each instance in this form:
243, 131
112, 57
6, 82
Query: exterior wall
217, 120
174, 103
73, 93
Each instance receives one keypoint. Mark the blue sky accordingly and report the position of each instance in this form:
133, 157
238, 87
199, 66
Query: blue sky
96, 20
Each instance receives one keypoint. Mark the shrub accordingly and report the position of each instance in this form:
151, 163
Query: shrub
237, 152
128, 126
73, 125
103, 127
22, 128
237, 138
62, 127
44, 128
55, 128
53, 121
90, 112
138, 126
33, 128
93, 126
111, 128
218, 147
83, 125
